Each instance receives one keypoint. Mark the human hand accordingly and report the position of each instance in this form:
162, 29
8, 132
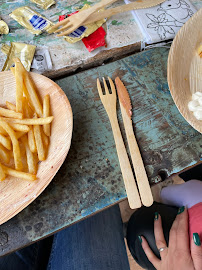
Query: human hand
177, 255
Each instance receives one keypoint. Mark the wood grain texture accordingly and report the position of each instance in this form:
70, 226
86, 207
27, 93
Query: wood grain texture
139, 169
123, 37
138, 166
101, 58
72, 23
109, 103
128, 178
16, 194
120, 9
66, 57
185, 67
91, 15
126, 211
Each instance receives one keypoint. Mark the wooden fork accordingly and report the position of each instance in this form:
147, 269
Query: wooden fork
73, 22
139, 4
91, 15
109, 103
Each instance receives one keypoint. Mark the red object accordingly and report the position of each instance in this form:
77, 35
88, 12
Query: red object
195, 220
62, 17
93, 41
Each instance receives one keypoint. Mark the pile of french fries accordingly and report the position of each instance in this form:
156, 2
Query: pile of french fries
24, 129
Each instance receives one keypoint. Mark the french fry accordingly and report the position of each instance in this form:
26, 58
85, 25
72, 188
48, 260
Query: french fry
33, 97
3, 132
5, 141
45, 139
19, 134
24, 88
2, 173
30, 92
46, 113
31, 140
4, 154
32, 166
27, 95
28, 113
29, 121
39, 143
19, 84
10, 113
23, 175
10, 106
13, 70
19, 127
16, 147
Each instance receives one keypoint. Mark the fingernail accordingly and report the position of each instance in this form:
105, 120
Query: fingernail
196, 238
181, 210
140, 239
156, 216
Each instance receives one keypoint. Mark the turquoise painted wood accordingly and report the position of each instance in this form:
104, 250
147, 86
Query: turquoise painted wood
90, 178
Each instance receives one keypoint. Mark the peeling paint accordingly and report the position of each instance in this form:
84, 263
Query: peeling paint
62, 53
90, 178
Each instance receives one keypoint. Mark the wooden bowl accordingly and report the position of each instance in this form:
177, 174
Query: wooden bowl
185, 67
16, 194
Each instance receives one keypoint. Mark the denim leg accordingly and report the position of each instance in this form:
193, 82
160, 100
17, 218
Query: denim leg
20, 260
96, 243
33, 257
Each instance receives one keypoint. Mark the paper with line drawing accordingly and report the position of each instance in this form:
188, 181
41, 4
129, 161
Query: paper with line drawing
162, 22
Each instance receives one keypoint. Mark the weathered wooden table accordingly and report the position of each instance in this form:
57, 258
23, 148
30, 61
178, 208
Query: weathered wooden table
90, 178
123, 37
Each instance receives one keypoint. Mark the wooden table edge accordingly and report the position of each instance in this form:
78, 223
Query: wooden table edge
103, 57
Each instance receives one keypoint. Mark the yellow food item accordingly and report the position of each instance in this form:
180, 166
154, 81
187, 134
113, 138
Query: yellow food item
31, 20
45, 4
29, 121
84, 30
46, 113
24, 136
10, 113
23, 175
3, 28
25, 52
5, 49
10, 106
2, 173
15, 143
4, 154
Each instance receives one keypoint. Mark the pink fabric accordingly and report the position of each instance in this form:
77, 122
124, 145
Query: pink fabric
195, 220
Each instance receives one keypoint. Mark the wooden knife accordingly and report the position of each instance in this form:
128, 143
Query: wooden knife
140, 173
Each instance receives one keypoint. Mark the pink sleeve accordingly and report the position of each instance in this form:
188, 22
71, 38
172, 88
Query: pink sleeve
195, 220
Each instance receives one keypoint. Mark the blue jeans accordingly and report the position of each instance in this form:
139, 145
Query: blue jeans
96, 243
